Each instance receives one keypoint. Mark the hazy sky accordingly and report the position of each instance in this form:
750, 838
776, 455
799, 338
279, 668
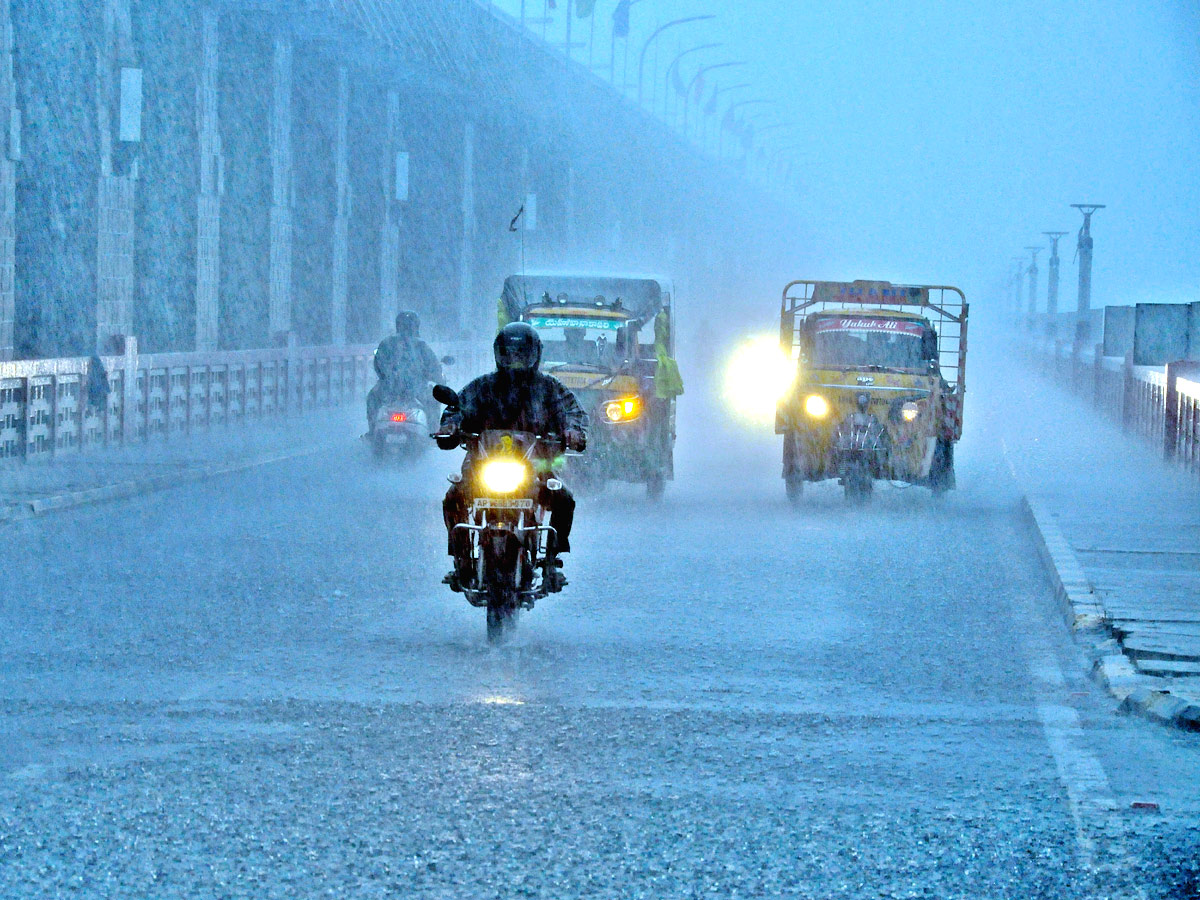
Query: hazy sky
936, 140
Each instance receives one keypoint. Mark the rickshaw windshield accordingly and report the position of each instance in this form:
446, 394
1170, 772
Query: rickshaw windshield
579, 341
864, 341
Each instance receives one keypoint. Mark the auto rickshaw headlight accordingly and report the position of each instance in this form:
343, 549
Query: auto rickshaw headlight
503, 476
624, 410
816, 406
909, 411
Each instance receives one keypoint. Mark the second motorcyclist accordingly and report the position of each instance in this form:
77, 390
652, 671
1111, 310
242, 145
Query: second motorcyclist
516, 397
405, 365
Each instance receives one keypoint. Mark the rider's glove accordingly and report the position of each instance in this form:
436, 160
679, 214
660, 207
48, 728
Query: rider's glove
448, 440
576, 440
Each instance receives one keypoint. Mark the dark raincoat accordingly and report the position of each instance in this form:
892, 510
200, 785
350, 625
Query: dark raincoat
536, 403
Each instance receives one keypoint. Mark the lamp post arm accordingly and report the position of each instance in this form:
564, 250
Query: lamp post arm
659, 30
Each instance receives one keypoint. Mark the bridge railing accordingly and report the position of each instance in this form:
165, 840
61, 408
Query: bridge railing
56, 407
1159, 403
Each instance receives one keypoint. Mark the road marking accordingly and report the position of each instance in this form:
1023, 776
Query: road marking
1100, 831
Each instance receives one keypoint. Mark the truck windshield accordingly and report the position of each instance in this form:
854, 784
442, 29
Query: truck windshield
579, 341
866, 341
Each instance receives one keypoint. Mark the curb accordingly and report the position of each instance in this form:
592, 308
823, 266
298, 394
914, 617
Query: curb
1086, 619
122, 490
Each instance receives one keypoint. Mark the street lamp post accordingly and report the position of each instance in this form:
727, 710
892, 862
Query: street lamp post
719, 91
612, 49
675, 62
729, 111
1052, 279
1019, 282
687, 97
1084, 251
1033, 276
646, 46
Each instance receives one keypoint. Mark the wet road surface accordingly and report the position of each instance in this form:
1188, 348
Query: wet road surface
258, 687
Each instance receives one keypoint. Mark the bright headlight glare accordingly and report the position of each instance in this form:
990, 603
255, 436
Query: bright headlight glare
758, 376
910, 411
503, 476
816, 406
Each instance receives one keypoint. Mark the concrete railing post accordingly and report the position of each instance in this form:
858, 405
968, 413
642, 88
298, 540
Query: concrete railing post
1171, 412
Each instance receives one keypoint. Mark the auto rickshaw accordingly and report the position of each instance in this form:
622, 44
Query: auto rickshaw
879, 384
611, 341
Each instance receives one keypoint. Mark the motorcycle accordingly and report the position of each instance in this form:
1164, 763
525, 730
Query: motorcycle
399, 430
507, 535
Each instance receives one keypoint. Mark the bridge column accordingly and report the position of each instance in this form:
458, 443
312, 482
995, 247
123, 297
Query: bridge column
211, 186
119, 115
395, 192
341, 221
10, 139
280, 289
466, 262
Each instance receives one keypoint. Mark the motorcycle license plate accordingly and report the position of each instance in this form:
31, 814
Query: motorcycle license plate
502, 503
396, 438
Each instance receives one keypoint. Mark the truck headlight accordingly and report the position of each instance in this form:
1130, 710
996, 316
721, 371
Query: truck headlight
503, 476
816, 406
909, 411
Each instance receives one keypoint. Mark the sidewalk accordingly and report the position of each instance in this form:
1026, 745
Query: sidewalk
35, 489
1120, 533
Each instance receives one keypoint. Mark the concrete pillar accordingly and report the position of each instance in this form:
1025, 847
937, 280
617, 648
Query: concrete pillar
395, 192
10, 139
466, 263
118, 107
341, 220
208, 201
280, 290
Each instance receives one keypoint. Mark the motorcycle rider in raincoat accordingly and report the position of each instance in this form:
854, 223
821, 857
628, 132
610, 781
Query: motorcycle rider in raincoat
405, 364
516, 397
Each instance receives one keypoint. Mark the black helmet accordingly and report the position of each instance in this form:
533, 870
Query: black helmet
408, 324
518, 348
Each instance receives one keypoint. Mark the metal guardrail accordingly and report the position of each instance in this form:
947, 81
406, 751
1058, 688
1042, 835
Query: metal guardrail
1158, 403
45, 410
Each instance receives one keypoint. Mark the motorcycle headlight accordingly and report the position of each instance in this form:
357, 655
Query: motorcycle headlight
503, 476
909, 411
816, 406
624, 410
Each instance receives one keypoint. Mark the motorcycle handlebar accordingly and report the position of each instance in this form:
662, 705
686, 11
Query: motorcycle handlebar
464, 437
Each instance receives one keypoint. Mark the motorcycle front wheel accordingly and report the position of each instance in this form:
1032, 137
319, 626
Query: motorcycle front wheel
501, 619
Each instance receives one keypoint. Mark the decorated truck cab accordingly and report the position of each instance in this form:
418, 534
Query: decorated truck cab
879, 384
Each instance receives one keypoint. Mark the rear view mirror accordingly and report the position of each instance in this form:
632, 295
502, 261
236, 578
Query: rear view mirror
448, 360
445, 396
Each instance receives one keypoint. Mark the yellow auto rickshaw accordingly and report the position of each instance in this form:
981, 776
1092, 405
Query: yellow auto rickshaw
879, 384
610, 339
